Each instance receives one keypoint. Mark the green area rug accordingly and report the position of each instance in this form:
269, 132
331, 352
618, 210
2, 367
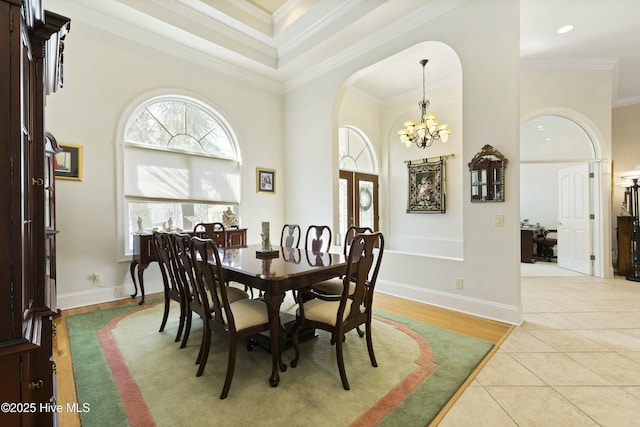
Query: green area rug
130, 374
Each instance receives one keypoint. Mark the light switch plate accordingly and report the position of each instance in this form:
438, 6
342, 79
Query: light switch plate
499, 220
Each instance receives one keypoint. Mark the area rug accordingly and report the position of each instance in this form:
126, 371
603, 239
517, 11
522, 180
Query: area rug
130, 374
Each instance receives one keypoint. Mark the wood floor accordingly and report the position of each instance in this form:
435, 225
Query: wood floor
484, 329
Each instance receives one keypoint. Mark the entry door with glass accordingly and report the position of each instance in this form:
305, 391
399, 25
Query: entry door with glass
358, 187
358, 200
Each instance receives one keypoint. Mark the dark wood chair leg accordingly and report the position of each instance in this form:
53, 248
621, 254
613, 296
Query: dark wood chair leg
340, 358
187, 329
165, 316
183, 315
296, 345
202, 340
205, 352
372, 356
231, 365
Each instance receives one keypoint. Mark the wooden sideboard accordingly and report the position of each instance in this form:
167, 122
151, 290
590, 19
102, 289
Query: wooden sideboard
527, 244
30, 69
144, 252
624, 231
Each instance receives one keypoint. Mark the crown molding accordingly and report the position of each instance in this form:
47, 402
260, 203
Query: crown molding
574, 64
626, 102
394, 29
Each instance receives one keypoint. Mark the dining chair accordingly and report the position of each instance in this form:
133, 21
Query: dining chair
334, 286
185, 272
317, 243
234, 320
290, 236
214, 231
318, 238
173, 289
211, 230
545, 243
339, 314
192, 297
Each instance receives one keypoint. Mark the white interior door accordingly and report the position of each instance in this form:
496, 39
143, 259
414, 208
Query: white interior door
574, 231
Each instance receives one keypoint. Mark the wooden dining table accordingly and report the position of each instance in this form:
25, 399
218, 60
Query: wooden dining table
285, 270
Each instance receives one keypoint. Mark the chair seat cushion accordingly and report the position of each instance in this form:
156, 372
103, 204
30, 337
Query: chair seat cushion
248, 313
323, 311
233, 294
333, 287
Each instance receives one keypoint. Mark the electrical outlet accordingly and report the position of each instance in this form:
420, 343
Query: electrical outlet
498, 221
97, 277
459, 283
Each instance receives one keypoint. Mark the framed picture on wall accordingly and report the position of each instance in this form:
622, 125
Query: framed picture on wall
265, 180
68, 162
426, 187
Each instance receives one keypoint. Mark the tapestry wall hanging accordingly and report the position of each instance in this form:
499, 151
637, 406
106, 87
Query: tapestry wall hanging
426, 186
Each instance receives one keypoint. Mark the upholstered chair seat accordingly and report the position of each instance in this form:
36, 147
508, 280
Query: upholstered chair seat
248, 313
333, 287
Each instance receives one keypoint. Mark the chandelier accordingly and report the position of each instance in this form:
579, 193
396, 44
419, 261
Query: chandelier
428, 129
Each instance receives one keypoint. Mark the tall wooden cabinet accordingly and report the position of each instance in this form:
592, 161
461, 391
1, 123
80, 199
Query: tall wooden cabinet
624, 231
30, 68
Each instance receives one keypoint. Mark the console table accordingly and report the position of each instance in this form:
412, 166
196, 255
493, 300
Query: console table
144, 252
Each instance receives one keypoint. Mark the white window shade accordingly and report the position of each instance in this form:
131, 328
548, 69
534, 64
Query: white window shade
169, 175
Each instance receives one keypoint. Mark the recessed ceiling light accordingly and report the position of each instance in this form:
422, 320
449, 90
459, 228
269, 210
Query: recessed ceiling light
565, 29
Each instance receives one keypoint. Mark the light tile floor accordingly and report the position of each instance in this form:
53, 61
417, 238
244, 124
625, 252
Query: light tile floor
575, 361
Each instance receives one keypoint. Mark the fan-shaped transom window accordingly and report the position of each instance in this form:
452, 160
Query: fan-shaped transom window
180, 124
355, 152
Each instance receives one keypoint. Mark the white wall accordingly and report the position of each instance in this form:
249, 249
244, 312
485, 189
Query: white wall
104, 76
490, 261
539, 193
430, 234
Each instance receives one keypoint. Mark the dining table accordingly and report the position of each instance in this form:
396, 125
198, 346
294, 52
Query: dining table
274, 273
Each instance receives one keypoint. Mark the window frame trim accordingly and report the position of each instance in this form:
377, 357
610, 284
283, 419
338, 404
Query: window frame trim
120, 143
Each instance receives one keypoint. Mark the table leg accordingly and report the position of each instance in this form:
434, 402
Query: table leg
141, 269
273, 307
132, 270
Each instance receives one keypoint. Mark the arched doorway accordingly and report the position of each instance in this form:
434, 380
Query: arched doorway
558, 187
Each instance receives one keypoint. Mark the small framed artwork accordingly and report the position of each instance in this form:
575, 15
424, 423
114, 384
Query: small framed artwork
426, 187
67, 164
265, 180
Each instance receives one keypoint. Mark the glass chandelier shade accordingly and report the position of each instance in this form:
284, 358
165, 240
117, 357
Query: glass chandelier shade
427, 130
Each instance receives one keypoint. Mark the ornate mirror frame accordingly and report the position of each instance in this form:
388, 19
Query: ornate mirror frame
487, 175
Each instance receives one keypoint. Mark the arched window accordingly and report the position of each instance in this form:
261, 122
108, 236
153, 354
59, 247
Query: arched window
180, 166
358, 185
355, 151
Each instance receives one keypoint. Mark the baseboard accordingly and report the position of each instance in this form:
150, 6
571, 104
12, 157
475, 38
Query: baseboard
476, 307
93, 296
